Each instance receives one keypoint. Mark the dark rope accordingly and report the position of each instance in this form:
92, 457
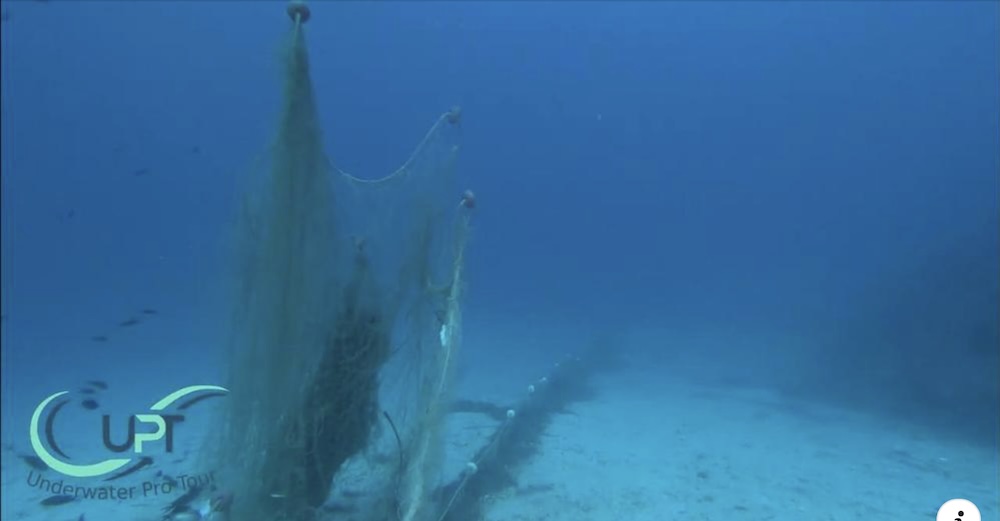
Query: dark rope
399, 447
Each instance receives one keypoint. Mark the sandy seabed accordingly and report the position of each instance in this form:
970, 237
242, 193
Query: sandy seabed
645, 448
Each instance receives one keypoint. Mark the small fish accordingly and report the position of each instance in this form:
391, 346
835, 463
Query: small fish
149, 311
143, 463
140, 172
196, 149
100, 384
90, 404
129, 323
34, 461
99, 338
182, 503
56, 500
221, 502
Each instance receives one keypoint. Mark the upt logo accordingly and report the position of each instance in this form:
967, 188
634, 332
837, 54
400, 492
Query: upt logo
164, 424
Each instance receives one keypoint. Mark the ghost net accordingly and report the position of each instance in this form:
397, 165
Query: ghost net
346, 323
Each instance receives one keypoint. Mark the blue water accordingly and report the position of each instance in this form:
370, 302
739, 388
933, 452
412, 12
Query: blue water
804, 195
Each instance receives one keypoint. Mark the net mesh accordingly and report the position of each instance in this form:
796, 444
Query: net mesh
346, 321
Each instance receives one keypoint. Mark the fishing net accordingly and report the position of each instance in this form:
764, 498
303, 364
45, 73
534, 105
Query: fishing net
346, 322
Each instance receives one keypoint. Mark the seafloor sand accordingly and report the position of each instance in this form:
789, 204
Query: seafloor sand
648, 449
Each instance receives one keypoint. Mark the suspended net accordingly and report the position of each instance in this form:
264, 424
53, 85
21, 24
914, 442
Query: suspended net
346, 324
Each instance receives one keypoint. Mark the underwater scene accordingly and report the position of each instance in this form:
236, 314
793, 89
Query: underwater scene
500, 261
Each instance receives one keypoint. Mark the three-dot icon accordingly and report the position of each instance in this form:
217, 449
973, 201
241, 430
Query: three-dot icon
959, 510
